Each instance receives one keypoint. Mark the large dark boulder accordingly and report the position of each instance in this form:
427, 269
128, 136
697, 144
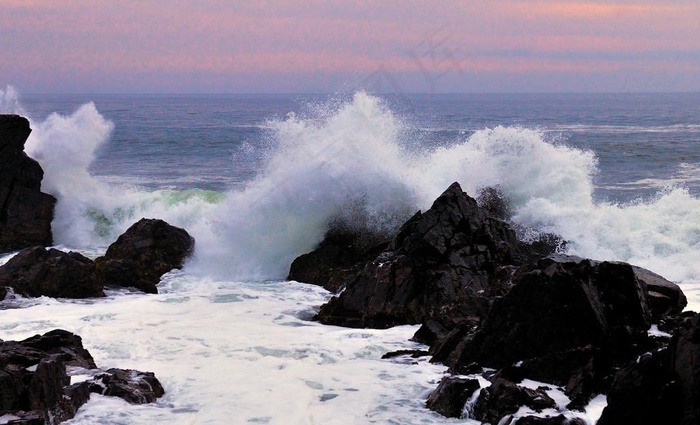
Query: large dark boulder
446, 259
37, 271
342, 253
503, 398
561, 304
25, 212
35, 387
131, 385
451, 395
142, 254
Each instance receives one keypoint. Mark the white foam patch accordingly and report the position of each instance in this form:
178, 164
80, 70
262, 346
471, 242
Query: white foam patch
228, 350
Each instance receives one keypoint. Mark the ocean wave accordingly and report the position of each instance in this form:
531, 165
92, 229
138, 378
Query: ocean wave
350, 161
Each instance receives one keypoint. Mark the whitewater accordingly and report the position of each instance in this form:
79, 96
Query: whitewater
228, 337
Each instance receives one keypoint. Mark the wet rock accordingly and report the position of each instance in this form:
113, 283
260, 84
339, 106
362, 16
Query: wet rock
25, 212
131, 385
37, 271
35, 388
66, 345
342, 254
643, 393
549, 420
666, 298
443, 259
140, 256
451, 396
561, 304
504, 398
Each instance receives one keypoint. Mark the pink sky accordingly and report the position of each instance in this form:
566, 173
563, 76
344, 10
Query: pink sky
179, 46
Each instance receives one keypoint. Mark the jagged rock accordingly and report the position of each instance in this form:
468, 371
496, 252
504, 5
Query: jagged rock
34, 386
37, 271
504, 398
142, 254
25, 212
562, 303
666, 298
342, 253
444, 259
131, 385
451, 395
68, 346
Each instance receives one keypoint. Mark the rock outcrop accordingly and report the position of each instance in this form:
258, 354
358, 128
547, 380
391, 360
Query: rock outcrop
35, 387
25, 211
448, 258
341, 255
142, 254
36, 272
507, 310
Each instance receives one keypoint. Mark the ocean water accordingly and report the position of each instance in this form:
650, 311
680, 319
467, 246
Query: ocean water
257, 178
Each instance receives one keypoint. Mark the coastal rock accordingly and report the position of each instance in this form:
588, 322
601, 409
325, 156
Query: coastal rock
25, 212
451, 395
444, 259
37, 271
504, 398
142, 254
131, 385
35, 388
665, 297
342, 253
561, 304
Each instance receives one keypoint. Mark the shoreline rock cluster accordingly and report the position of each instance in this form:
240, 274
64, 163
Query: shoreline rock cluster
36, 385
495, 308
35, 374
25, 211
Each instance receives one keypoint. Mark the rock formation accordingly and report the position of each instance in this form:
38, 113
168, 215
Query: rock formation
140, 256
35, 387
25, 212
36, 272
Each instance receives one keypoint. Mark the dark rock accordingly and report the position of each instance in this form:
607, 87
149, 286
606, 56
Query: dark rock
643, 393
504, 398
37, 271
140, 256
413, 353
549, 420
342, 254
25, 212
131, 385
45, 388
68, 346
684, 352
666, 297
561, 304
451, 396
35, 388
444, 259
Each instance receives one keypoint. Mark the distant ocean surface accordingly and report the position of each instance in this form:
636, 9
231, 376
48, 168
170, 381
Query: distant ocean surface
257, 178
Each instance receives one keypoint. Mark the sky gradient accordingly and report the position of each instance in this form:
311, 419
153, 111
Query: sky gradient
220, 46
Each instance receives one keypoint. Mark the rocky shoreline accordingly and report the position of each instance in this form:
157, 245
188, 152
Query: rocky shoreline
46, 378
501, 314
529, 335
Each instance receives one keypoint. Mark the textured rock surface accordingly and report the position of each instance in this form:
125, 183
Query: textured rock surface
342, 254
36, 272
35, 388
451, 395
142, 254
446, 258
25, 212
